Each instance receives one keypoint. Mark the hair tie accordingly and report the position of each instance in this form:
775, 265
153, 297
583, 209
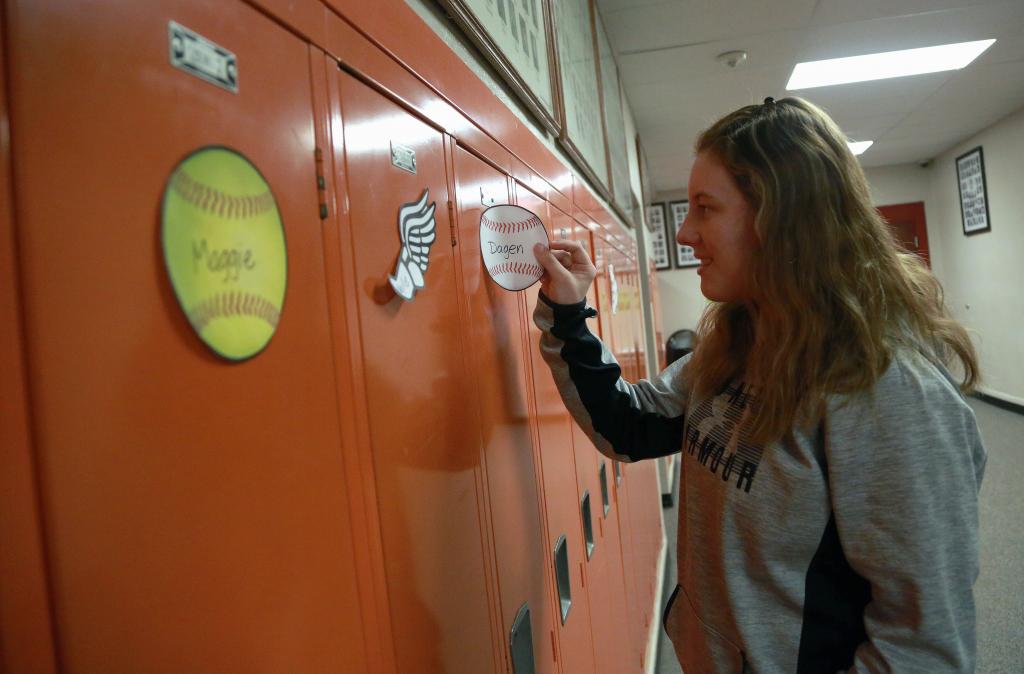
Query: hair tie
769, 100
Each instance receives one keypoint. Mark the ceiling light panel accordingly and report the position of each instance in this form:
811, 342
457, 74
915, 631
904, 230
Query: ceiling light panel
885, 65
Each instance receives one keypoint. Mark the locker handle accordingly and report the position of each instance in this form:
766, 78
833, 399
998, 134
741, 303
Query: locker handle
603, 475
521, 643
562, 577
588, 524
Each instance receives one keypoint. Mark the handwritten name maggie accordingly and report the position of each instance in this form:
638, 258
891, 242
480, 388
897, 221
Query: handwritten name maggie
230, 261
506, 249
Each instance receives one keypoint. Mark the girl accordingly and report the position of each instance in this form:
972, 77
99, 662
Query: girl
828, 514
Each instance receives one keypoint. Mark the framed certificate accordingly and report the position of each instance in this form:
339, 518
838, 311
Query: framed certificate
515, 36
677, 214
582, 133
658, 228
614, 124
970, 174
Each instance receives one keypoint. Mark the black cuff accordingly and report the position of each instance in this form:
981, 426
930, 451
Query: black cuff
562, 311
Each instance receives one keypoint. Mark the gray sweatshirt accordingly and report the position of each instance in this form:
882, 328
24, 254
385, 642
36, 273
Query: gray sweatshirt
850, 546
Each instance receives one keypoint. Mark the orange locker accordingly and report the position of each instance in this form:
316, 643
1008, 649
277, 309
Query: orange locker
565, 544
423, 433
496, 338
604, 576
194, 510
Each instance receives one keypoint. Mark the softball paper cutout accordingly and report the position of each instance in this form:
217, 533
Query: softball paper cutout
417, 230
507, 236
225, 252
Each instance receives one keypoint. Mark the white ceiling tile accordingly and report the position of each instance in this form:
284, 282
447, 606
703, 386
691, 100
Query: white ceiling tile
991, 20
845, 11
697, 21
676, 88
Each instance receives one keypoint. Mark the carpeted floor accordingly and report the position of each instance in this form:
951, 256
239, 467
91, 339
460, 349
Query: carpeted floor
999, 592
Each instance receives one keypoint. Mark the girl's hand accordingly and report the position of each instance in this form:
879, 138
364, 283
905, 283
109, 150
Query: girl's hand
568, 271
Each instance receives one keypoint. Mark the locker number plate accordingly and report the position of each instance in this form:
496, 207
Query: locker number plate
197, 56
403, 157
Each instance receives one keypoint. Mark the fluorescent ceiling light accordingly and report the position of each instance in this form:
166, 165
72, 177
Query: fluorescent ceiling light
885, 65
860, 146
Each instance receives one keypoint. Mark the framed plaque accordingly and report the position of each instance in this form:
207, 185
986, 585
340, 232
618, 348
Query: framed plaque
970, 174
582, 134
677, 214
514, 35
614, 124
658, 228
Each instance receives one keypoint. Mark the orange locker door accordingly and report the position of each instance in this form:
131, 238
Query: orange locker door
194, 509
565, 545
422, 433
496, 332
605, 582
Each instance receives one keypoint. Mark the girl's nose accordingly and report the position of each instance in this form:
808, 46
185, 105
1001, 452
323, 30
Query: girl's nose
687, 234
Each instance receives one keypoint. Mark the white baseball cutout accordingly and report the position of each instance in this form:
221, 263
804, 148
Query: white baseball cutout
507, 236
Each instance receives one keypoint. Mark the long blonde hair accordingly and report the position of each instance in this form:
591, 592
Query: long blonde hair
836, 293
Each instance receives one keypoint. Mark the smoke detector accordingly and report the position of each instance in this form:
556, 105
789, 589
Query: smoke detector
732, 58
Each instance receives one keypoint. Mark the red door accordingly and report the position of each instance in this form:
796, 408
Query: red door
908, 224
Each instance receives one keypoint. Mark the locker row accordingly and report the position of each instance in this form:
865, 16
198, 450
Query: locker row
388, 485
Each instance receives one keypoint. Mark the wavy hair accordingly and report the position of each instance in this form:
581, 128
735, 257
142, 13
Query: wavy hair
836, 292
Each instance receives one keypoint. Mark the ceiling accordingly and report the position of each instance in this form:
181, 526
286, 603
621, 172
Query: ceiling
666, 52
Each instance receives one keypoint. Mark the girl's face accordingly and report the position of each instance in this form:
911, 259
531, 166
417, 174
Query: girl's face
720, 229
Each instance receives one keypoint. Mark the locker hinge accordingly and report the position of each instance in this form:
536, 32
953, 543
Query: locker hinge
451, 221
321, 183
554, 651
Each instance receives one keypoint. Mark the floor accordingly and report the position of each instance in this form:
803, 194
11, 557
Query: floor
999, 592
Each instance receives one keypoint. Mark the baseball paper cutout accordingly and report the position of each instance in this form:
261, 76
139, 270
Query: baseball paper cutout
507, 236
225, 252
417, 230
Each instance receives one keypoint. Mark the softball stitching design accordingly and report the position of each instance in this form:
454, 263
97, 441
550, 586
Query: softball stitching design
217, 202
511, 227
523, 268
233, 303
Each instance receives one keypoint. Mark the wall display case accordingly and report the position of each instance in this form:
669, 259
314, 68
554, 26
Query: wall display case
615, 125
582, 135
677, 211
659, 237
515, 36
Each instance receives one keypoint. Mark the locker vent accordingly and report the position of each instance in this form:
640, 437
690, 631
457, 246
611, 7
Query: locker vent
522, 643
562, 576
588, 524
604, 487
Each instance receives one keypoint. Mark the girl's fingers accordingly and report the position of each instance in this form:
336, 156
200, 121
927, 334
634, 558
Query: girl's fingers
574, 248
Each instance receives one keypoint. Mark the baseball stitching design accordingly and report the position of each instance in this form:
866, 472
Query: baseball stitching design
524, 268
511, 227
233, 303
217, 202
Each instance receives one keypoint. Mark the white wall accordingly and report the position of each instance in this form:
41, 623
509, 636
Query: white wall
983, 274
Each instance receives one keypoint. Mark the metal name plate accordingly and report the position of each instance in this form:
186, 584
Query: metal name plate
403, 157
197, 56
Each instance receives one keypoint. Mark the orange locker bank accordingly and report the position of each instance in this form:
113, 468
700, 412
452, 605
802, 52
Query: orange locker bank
382, 486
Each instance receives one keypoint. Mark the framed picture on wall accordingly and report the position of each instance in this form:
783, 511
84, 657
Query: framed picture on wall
576, 55
516, 38
658, 228
677, 214
970, 174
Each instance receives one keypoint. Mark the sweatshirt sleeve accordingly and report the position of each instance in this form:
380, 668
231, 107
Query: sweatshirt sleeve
626, 422
905, 465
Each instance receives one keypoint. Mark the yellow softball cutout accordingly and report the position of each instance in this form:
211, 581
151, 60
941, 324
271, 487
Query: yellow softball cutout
224, 247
